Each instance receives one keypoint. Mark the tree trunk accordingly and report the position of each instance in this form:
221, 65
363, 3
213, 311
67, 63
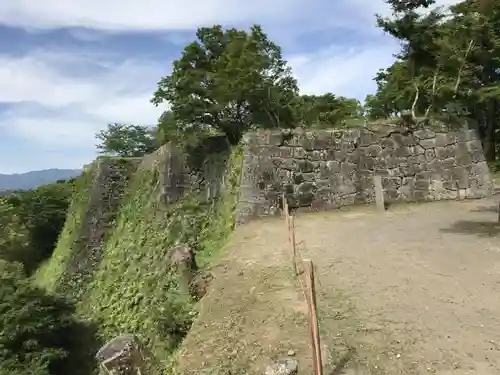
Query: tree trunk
490, 136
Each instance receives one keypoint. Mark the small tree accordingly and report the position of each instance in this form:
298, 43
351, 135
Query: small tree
229, 80
31, 221
328, 110
127, 140
38, 332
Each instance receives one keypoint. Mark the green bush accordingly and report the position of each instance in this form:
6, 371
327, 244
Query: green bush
38, 215
38, 332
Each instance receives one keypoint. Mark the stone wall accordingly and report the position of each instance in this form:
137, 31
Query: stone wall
110, 179
329, 169
200, 168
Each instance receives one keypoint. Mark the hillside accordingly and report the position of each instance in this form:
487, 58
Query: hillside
33, 179
118, 239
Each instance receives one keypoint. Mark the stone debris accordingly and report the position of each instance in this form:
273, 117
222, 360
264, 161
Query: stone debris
283, 367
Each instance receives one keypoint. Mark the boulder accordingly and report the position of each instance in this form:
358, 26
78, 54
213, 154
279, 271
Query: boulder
121, 356
182, 259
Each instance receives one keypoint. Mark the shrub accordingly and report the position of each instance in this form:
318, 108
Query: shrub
38, 332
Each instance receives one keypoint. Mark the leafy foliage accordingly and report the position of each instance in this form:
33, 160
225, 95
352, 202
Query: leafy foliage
38, 332
449, 65
229, 80
31, 222
47, 275
328, 110
126, 140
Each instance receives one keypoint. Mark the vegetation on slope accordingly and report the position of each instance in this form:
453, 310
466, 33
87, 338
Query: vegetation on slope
49, 273
133, 288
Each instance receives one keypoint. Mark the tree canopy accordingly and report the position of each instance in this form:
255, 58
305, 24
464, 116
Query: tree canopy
229, 80
449, 64
31, 221
38, 332
126, 140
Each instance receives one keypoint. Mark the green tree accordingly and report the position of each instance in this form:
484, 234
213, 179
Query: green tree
328, 110
38, 332
448, 66
229, 80
127, 140
13, 234
33, 221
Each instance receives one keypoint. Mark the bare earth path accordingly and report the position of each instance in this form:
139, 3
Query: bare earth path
415, 290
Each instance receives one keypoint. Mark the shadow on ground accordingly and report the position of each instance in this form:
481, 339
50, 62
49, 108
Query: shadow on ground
479, 228
343, 362
493, 209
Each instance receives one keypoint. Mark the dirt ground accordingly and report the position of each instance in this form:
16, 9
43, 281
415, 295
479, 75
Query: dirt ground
414, 290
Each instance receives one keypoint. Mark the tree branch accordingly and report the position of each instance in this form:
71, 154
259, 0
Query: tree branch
417, 94
434, 81
457, 83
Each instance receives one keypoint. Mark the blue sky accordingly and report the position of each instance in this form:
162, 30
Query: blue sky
67, 68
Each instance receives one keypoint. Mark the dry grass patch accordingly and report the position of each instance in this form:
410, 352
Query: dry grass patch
253, 313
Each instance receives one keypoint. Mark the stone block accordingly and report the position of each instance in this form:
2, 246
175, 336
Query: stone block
424, 134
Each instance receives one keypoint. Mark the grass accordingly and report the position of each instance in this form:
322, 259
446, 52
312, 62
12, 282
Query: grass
49, 273
133, 289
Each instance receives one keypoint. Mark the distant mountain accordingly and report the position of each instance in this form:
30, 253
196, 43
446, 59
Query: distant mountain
30, 180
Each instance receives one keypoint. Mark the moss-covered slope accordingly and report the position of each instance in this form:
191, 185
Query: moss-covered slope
129, 286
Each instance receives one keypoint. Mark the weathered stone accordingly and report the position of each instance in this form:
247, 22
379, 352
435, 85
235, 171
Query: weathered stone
398, 139
417, 150
317, 155
121, 356
474, 145
276, 138
200, 283
373, 150
409, 140
287, 366
322, 140
464, 159
282, 152
466, 135
388, 143
288, 164
402, 151
368, 138
347, 168
443, 153
427, 143
444, 139
304, 166
319, 169
299, 152
366, 162
182, 258
339, 155
424, 134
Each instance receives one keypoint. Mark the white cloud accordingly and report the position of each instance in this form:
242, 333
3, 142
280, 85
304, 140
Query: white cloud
173, 15
58, 112
144, 15
347, 72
